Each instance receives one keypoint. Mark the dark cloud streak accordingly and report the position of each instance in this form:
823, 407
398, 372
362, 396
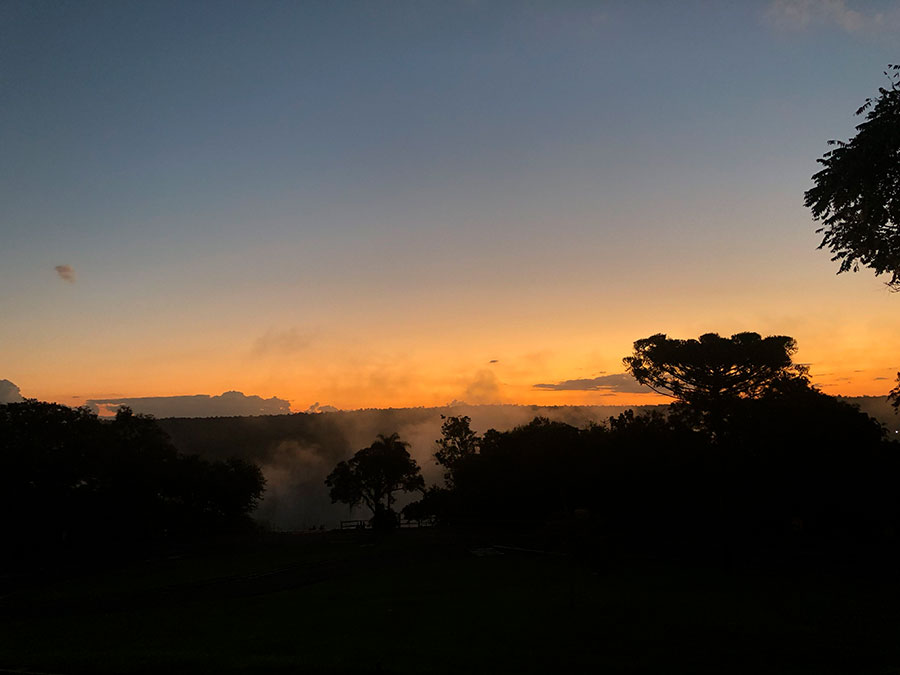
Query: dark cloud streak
619, 382
66, 273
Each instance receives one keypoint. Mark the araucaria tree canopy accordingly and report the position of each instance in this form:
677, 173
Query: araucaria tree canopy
713, 368
857, 193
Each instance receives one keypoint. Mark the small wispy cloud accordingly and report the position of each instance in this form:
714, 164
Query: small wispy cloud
796, 15
617, 383
66, 273
571, 19
281, 343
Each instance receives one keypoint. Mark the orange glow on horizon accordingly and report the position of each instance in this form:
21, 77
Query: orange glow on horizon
835, 384
351, 367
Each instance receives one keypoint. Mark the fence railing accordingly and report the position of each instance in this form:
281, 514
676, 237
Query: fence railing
367, 524
355, 525
419, 522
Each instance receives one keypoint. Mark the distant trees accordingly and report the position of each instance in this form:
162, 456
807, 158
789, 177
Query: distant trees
67, 477
373, 475
856, 194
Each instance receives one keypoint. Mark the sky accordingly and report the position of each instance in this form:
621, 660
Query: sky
373, 204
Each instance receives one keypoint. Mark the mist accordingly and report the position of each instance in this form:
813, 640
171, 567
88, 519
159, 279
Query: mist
296, 452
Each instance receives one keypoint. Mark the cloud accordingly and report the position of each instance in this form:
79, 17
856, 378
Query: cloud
9, 393
881, 378
66, 273
229, 404
494, 361
619, 382
483, 389
316, 408
280, 342
803, 14
570, 21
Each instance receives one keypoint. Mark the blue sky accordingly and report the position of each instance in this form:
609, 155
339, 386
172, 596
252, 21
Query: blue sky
397, 193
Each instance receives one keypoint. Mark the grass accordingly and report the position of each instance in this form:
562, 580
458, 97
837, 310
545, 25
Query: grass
422, 602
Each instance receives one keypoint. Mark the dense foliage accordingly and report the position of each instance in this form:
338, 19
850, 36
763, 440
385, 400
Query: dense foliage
71, 480
792, 465
457, 443
857, 192
707, 375
702, 371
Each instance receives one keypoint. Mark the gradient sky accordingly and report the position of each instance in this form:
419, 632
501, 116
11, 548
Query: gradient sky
397, 203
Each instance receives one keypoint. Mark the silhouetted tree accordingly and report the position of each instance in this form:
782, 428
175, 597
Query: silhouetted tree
894, 395
709, 372
857, 192
457, 444
373, 475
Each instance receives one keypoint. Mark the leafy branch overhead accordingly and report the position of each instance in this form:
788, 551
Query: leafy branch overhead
857, 192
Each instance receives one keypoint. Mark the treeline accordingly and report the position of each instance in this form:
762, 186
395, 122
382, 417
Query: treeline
750, 457
798, 466
296, 452
72, 482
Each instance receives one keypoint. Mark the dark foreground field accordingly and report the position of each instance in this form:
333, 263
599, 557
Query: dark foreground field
436, 602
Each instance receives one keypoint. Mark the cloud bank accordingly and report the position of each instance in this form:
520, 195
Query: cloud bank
9, 393
619, 382
229, 404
